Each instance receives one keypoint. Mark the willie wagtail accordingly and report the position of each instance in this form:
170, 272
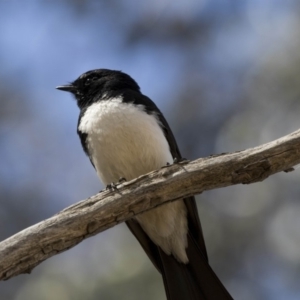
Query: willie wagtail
125, 135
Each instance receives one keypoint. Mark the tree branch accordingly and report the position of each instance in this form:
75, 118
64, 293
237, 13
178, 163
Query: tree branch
28, 248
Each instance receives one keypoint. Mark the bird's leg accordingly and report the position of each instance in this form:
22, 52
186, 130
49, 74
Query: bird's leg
111, 186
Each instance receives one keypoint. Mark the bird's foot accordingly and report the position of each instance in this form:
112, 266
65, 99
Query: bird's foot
180, 160
176, 161
111, 186
122, 180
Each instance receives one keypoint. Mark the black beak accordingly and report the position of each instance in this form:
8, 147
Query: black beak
67, 88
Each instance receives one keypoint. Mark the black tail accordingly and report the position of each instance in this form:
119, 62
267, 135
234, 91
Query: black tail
192, 281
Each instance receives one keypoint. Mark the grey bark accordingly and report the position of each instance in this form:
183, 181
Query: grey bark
28, 248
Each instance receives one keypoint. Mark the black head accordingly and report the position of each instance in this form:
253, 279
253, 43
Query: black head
99, 84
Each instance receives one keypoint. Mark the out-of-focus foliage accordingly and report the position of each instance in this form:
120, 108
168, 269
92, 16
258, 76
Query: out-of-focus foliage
227, 76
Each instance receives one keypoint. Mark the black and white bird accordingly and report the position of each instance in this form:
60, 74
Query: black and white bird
125, 135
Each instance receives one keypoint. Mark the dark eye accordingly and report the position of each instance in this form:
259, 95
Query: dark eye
89, 80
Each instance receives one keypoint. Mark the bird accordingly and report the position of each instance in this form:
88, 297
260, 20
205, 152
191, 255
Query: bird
125, 135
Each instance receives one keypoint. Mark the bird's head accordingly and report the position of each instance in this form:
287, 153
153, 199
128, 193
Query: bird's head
96, 85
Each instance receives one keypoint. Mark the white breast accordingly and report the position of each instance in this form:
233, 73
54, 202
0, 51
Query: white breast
124, 141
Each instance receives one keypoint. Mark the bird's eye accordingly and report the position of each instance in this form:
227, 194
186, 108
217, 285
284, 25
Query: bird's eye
90, 80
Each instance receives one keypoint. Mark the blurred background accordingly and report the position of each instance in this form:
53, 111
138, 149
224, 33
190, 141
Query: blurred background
225, 73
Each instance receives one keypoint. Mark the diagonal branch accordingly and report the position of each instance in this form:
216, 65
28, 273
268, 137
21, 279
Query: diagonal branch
28, 248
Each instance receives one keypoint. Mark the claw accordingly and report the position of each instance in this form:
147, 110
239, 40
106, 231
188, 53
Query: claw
179, 160
111, 186
122, 179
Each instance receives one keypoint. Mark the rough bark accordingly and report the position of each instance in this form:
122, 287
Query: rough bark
28, 248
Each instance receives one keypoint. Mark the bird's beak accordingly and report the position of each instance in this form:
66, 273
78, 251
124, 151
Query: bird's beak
67, 88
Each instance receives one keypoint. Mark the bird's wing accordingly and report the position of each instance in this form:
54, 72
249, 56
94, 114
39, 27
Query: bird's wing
83, 138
